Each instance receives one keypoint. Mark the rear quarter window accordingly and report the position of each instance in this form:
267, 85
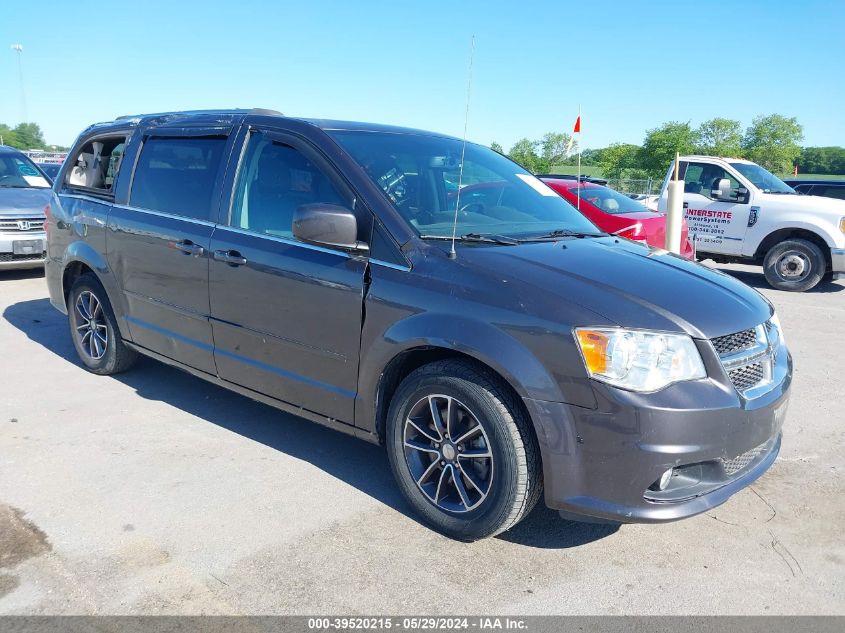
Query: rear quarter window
177, 175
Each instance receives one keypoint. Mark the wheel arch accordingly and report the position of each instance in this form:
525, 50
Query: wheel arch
776, 237
81, 258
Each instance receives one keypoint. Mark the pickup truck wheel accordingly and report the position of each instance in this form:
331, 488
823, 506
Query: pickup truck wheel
93, 329
795, 265
462, 450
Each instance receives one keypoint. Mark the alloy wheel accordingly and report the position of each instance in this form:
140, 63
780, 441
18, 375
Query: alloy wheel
448, 453
92, 331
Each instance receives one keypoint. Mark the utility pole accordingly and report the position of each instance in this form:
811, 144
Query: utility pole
18, 48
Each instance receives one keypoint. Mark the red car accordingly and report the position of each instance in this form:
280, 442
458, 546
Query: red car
616, 213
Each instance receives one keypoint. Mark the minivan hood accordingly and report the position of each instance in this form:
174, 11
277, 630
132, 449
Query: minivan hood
28, 202
628, 284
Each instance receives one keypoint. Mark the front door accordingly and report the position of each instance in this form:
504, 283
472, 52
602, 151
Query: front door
286, 315
158, 246
716, 226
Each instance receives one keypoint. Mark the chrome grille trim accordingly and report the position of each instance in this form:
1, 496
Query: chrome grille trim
736, 342
748, 357
22, 224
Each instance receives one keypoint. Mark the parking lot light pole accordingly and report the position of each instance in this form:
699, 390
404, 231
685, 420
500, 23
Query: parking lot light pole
18, 48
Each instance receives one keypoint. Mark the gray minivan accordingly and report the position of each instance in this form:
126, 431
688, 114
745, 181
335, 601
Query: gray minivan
310, 265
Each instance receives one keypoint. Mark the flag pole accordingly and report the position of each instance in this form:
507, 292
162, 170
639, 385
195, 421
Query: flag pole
578, 188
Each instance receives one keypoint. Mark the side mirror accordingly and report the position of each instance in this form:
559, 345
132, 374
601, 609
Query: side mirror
742, 195
328, 225
723, 192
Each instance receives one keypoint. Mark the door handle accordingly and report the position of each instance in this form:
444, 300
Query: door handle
187, 247
686, 205
233, 258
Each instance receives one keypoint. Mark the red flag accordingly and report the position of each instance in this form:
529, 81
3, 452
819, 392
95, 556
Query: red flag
577, 128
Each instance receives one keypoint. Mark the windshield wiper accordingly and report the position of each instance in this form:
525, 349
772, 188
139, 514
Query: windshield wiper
558, 233
475, 237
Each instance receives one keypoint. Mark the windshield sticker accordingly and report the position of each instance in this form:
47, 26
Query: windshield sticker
36, 181
537, 185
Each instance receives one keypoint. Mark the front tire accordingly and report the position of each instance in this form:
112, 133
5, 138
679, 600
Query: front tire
462, 450
794, 265
93, 329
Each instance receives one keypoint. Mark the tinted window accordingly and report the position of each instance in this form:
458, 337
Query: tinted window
419, 175
176, 175
275, 179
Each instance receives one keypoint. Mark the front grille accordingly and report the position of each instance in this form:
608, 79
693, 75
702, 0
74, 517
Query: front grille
22, 225
740, 462
733, 343
10, 257
748, 376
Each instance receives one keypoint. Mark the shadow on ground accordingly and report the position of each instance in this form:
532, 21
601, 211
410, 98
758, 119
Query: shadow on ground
357, 463
758, 280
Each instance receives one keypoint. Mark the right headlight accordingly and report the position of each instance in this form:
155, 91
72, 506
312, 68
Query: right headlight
639, 360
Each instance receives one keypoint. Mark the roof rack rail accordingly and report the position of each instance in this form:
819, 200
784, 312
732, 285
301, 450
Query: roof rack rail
268, 111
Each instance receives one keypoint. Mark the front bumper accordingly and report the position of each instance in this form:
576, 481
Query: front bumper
837, 262
11, 260
601, 463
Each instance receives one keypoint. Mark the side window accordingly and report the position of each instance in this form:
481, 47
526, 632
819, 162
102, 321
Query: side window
95, 165
177, 175
702, 178
273, 180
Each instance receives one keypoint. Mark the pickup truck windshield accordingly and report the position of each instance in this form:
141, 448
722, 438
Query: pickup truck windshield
419, 174
764, 180
17, 172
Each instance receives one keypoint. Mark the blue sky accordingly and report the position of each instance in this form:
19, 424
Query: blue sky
631, 65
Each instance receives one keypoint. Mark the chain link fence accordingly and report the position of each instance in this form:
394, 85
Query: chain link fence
646, 186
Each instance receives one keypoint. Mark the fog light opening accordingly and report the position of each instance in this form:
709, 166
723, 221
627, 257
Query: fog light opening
663, 482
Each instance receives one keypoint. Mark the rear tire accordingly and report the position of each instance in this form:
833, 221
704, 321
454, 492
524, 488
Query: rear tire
93, 329
463, 493
794, 265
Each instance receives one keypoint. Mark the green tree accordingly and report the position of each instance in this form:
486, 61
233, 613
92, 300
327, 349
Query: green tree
615, 159
720, 137
524, 152
662, 142
773, 142
822, 160
9, 137
496, 147
552, 151
30, 136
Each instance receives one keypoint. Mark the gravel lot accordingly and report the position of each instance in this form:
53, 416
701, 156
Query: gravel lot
154, 492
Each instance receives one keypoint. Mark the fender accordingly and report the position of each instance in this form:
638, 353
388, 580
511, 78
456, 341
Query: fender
83, 253
822, 227
477, 339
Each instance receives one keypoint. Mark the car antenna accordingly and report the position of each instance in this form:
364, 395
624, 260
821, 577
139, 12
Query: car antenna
452, 253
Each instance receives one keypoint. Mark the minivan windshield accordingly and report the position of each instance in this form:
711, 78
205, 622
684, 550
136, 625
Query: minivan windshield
419, 174
761, 178
18, 172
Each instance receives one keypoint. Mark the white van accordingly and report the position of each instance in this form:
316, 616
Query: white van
739, 212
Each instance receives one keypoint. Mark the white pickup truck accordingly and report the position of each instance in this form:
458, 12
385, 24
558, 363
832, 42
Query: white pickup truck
739, 212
